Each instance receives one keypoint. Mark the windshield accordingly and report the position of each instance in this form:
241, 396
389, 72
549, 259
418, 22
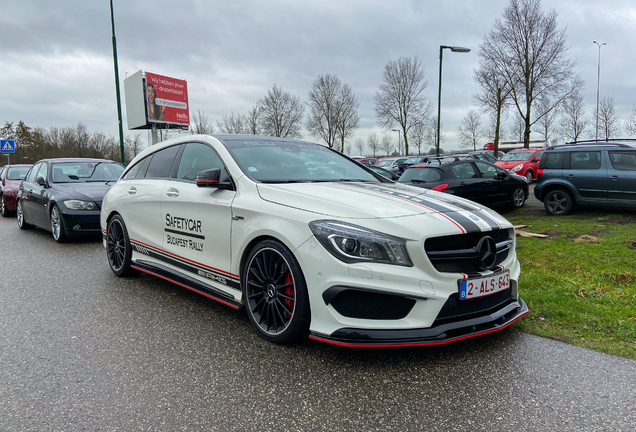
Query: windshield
384, 162
517, 156
80, 172
274, 161
17, 173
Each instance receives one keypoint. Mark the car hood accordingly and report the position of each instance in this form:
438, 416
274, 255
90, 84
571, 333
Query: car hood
367, 200
509, 164
84, 191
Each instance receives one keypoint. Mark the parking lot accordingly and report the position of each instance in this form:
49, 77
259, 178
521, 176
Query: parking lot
84, 350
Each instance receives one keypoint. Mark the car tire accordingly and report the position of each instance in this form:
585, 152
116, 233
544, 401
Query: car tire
4, 211
20, 216
57, 225
275, 293
518, 197
118, 247
529, 176
558, 202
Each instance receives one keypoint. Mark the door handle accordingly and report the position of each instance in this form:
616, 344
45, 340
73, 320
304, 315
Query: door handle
132, 191
614, 177
172, 192
570, 176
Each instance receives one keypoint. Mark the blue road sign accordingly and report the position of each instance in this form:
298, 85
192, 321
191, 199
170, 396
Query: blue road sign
7, 146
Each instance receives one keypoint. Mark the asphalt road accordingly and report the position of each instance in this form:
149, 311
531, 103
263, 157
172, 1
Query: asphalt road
81, 350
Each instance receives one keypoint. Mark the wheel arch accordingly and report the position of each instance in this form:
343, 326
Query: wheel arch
250, 245
554, 186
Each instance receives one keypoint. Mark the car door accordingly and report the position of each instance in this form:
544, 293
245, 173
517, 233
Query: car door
40, 197
497, 186
197, 221
621, 173
588, 175
139, 195
468, 183
26, 194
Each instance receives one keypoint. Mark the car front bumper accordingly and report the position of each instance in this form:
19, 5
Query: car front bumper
83, 222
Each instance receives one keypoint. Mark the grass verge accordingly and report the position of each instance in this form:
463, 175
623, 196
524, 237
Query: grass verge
580, 282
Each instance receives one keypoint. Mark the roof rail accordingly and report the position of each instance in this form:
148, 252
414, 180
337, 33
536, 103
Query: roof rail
610, 142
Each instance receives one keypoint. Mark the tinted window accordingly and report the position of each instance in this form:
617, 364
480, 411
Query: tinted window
31, 176
196, 158
538, 155
134, 171
464, 171
623, 161
585, 160
551, 161
421, 174
161, 162
486, 170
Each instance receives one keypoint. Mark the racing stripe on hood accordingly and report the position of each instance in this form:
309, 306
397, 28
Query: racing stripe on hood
465, 217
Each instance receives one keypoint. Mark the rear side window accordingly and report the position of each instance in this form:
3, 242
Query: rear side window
161, 162
623, 161
421, 174
585, 160
551, 161
196, 158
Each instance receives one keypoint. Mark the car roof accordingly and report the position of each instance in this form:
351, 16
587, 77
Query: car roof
71, 160
612, 143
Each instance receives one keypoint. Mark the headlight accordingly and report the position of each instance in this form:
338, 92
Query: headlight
517, 168
80, 205
353, 244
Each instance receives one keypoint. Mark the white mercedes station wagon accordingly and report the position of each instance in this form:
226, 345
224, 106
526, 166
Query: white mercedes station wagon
311, 243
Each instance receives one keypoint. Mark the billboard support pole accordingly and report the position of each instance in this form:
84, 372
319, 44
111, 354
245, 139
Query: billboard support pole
121, 129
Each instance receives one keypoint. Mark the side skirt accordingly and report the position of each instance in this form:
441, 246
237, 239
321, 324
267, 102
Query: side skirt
187, 282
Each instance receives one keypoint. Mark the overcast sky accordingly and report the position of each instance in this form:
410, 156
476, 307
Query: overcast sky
57, 61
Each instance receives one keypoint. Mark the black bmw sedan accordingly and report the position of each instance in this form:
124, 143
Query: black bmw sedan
476, 180
65, 196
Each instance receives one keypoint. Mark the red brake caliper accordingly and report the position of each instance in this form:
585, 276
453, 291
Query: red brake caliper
289, 292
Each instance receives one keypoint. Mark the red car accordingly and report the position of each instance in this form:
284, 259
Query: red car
524, 162
10, 178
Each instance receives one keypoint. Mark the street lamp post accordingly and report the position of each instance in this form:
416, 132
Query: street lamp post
598, 82
399, 142
121, 130
439, 95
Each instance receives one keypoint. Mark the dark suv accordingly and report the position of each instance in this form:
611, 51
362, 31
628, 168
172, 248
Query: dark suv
599, 173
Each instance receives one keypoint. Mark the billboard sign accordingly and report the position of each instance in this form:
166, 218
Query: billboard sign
166, 100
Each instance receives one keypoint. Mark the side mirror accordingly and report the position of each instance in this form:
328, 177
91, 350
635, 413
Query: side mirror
40, 180
215, 178
501, 174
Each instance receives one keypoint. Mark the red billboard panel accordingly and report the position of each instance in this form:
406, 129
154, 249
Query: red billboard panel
167, 99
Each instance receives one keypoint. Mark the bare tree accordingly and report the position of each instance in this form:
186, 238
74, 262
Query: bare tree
494, 97
386, 144
630, 123
547, 122
418, 137
529, 51
359, 145
470, 131
518, 128
134, 144
400, 98
281, 113
491, 130
348, 118
201, 124
573, 121
347, 150
608, 119
373, 143
430, 135
232, 124
324, 110
252, 121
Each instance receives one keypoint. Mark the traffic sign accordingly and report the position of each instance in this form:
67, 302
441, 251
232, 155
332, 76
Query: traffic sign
7, 146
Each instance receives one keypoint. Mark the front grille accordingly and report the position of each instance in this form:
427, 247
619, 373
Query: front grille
371, 305
458, 254
455, 308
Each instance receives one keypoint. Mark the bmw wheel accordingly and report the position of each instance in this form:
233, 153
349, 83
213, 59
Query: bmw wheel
275, 293
518, 198
57, 225
21, 222
118, 248
529, 176
3, 207
558, 202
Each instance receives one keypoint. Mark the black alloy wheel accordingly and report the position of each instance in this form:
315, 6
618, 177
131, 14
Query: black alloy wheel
57, 225
21, 222
3, 207
275, 293
558, 202
518, 198
118, 248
